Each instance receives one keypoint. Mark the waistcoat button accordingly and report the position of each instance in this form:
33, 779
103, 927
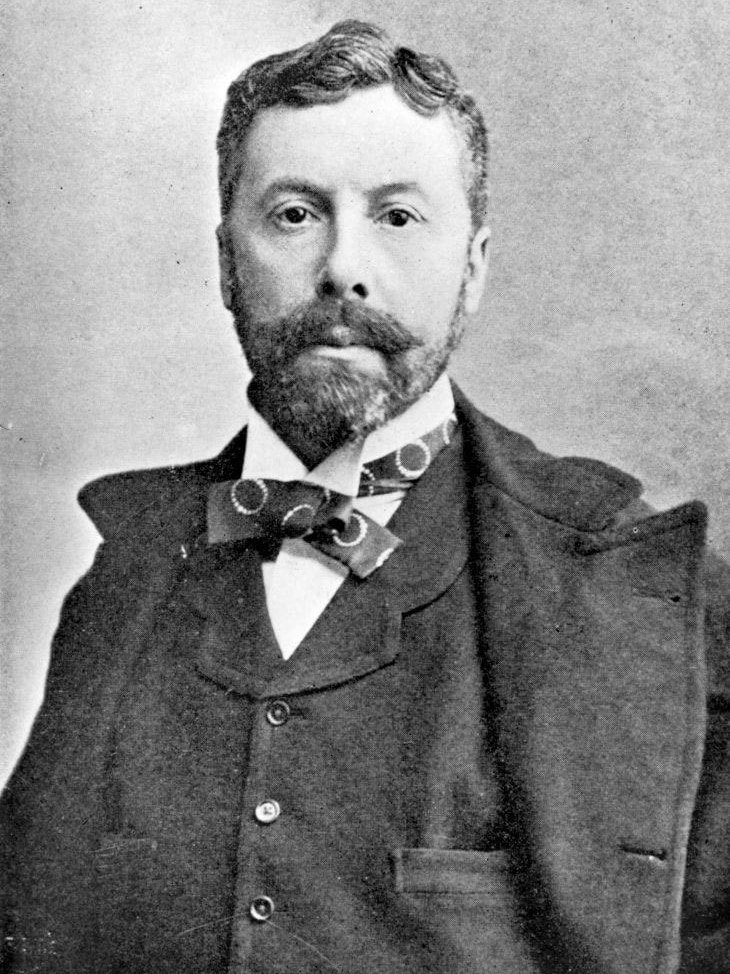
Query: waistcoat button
277, 713
267, 811
262, 908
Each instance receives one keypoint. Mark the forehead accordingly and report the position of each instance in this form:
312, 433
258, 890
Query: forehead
370, 138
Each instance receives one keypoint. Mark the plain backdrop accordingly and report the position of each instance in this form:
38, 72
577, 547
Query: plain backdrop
602, 331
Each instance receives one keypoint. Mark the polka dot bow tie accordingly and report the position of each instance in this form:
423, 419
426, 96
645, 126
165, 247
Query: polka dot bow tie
268, 511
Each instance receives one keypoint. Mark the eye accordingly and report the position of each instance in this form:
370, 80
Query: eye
398, 217
292, 215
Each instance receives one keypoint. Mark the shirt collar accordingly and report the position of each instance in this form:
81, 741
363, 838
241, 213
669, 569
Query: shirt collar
269, 458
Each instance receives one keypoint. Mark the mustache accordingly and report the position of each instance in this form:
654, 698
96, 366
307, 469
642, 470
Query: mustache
340, 323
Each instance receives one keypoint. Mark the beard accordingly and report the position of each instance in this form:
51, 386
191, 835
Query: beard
326, 402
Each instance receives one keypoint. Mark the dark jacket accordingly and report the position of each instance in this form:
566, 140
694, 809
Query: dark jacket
604, 636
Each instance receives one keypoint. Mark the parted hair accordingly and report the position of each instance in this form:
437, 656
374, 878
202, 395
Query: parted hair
350, 56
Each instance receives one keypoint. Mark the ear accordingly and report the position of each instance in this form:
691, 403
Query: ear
225, 263
476, 269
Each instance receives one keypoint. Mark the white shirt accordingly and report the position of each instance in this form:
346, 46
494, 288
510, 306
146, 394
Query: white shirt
301, 581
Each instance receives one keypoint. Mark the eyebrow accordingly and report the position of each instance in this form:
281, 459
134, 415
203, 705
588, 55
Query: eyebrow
293, 185
399, 187
302, 186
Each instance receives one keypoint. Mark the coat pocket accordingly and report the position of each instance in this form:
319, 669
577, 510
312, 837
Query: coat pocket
128, 878
451, 871
466, 909
129, 914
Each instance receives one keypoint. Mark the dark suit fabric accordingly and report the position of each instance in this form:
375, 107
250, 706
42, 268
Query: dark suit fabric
491, 761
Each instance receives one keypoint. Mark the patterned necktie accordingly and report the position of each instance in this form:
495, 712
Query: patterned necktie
272, 510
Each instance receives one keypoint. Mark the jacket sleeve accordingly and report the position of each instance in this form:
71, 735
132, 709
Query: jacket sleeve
706, 908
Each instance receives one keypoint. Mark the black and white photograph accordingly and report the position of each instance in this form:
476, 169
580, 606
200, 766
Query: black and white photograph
364, 451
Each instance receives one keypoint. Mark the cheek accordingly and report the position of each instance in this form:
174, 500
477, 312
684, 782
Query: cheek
429, 287
271, 282
437, 265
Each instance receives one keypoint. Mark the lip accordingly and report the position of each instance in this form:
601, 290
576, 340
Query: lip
344, 351
360, 357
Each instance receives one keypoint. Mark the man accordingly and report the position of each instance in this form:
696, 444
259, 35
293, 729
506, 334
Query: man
381, 688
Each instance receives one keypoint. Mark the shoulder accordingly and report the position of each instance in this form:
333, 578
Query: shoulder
604, 506
579, 492
132, 504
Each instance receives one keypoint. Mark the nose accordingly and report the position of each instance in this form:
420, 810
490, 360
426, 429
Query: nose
344, 273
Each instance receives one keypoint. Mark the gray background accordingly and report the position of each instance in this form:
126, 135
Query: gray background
602, 331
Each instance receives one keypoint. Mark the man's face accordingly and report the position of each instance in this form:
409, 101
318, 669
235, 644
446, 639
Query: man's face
359, 205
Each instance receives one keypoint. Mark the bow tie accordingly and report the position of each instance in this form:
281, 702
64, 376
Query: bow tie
271, 510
